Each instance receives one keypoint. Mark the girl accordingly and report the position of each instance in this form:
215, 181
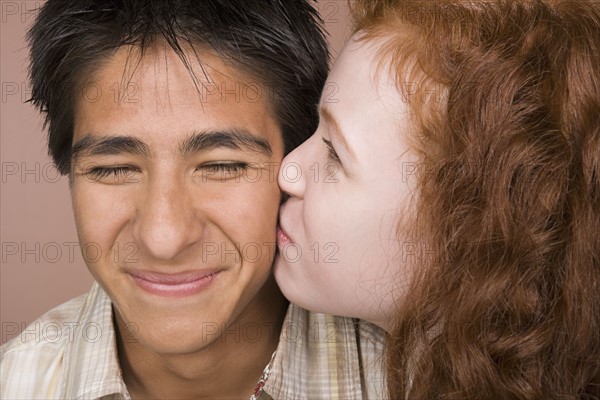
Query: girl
451, 195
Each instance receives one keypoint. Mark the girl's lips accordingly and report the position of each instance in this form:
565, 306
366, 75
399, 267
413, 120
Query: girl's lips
282, 237
174, 285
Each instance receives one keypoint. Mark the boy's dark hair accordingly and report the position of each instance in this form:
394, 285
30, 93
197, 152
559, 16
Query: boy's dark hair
280, 43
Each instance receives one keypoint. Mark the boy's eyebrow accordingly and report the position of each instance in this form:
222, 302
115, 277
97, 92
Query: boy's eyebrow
108, 145
237, 139
336, 131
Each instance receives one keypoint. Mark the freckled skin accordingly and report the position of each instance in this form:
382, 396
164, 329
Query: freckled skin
346, 222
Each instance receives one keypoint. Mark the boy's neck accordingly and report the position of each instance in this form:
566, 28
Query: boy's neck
227, 367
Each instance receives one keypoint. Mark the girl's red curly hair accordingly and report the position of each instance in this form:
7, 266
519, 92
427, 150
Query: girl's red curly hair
505, 303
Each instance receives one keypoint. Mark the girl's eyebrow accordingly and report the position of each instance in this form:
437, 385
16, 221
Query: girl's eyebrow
336, 131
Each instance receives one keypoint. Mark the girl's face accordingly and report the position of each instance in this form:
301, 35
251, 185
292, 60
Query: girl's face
342, 249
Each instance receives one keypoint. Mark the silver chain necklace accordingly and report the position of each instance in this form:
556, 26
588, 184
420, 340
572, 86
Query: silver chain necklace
263, 379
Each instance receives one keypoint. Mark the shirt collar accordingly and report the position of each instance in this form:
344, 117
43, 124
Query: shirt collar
319, 356
91, 361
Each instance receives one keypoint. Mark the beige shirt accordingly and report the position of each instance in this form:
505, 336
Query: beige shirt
70, 353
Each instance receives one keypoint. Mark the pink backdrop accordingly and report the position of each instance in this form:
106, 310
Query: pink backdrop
41, 265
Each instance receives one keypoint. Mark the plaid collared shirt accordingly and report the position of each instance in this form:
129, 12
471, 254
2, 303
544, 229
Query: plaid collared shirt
70, 353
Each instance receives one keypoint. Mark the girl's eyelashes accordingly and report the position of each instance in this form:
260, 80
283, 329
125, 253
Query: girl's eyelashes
331, 153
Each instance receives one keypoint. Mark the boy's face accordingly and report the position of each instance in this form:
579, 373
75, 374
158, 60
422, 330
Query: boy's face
175, 193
